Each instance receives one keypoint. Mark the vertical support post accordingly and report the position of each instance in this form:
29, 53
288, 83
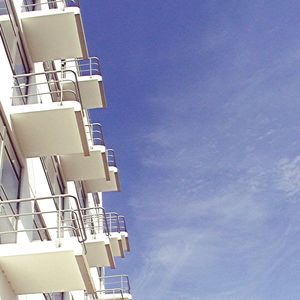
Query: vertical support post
122, 284
110, 224
63, 67
91, 72
59, 222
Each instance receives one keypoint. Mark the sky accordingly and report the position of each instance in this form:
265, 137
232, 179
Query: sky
204, 115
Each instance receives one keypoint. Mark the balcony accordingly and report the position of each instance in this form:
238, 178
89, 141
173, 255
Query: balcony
90, 81
118, 234
52, 252
115, 287
44, 121
98, 244
102, 185
53, 30
77, 167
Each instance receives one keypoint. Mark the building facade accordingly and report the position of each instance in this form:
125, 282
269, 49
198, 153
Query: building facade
56, 239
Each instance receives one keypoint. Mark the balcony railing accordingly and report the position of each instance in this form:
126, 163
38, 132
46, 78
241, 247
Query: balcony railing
95, 134
63, 220
95, 221
50, 4
122, 222
110, 153
116, 222
38, 87
83, 67
115, 284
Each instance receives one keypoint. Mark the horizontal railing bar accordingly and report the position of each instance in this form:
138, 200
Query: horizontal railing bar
37, 229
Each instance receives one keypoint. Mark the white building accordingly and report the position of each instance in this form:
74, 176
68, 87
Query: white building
55, 237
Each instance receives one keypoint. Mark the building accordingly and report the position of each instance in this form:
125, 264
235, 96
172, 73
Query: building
56, 239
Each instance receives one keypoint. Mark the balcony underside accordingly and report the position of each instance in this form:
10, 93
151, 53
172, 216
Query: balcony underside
91, 91
49, 129
54, 34
116, 244
40, 267
99, 252
102, 185
78, 167
116, 296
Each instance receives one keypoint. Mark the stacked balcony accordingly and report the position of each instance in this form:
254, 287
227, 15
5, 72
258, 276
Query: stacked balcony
102, 185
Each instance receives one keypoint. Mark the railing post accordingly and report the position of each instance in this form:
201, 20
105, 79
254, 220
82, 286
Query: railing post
63, 68
59, 222
91, 73
122, 284
64, 4
110, 223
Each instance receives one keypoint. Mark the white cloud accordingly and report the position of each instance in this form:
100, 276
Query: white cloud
289, 176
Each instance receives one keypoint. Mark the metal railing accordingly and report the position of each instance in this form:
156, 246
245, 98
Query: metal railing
111, 159
115, 284
95, 134
83, 67
116, 222
50, 4
122, 222
35, 86
67, 219
95, 221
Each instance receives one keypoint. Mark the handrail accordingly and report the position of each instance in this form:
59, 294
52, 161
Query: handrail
95, 221
50, 82
96, 133
76, 220
111, 159
85, 67
52, 4
114, 283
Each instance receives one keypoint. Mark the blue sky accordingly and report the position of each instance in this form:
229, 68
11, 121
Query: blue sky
204, 115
